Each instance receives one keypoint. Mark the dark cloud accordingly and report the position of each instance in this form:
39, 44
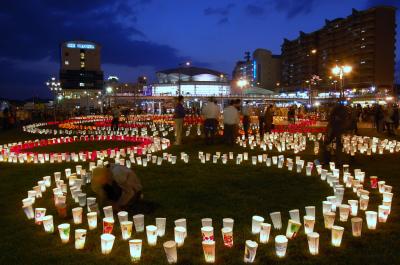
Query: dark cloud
371, 3
34, 30
293, 8
255, 10
221, 12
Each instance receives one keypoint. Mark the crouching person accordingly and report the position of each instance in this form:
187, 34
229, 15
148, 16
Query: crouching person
116, 185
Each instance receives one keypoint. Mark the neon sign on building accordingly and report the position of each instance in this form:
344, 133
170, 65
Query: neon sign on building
74, 45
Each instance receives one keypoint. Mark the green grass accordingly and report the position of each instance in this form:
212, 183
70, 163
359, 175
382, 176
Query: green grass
195, 191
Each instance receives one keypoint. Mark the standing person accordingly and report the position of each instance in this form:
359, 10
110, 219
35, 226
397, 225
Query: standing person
388, 114
395, 117
291, 114
115, 120
269, 119
378, 116
231, 121
246, 119
179, 115
210, 114
261, 121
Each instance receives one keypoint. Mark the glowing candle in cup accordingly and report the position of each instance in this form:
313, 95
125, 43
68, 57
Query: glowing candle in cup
77, 215
108, 212
337, 234
160, 223
329, 219
92, 220
372, 218
151, 231
179, 233
250, 251
265, 232
228, 222
383, 213
356, 226
48, 224
309, 222
292, 229
64, 231
126, 229
108, 225
39, 214
313, 243
209, 251
276, 220
80, 238
310, 211
107, 242
122, 216
353, 207
138, 221
171, 251
227, 235
28, 210
281, 245
344, 211
135, 249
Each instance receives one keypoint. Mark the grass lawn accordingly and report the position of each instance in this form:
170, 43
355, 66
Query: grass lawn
195, 191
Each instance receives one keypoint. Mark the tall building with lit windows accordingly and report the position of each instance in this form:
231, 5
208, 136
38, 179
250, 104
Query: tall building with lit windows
364, 40
81, 75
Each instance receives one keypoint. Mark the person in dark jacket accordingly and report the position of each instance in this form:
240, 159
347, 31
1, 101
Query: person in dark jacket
179, 115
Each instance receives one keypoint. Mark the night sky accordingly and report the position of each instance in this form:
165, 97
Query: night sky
139, 37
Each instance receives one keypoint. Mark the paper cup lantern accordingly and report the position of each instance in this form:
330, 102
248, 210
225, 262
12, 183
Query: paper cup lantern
171, 252
310, 211
92, 220
387, 196
207, 233
292, 229
329, 219
82, 199
135, 249
64, 231
126, 229
227, 236
374, 182
161, 223
326, 207
122, 216
256, 224
344, 211
77, 215
107, 242
80, 238
206, 222
281, 245
250, 251
337, 234
179, 233
295, 215
108, 225
356, 226
39, 214
313, 243
364, 199
383, 213
62, 210
28, 210
48, 224
151, 231
209, 251
138, 221
265, 232
381, 186
353, 207
309, 222
182, 223
372, 218
228, 222
276, 220
108, 212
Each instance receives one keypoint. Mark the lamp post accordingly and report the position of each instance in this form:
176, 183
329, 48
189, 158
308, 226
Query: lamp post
341, 71
55, 88
187, 64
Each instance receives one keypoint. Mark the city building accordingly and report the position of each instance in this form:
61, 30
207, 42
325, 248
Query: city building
261, 70
364, 42
193, 81
81, 76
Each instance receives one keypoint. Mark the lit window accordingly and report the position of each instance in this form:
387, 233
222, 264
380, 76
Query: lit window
362, 62
362, 46
82, 55
81, 84
82, 64
66, 62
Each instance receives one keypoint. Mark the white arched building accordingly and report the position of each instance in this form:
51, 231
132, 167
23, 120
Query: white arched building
193, 81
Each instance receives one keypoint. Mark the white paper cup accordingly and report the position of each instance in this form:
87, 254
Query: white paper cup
135, 249
107, 242
138, 221
313, 243
80, 238
281, 245
250, 251
171, 251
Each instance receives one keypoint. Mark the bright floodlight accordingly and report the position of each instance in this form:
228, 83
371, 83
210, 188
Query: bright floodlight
347, 69
187, 63
242, 82
336, 70
109, 89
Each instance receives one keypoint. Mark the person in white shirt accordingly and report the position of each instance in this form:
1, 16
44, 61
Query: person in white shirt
246, 119
210, 113
231, 121
117, 185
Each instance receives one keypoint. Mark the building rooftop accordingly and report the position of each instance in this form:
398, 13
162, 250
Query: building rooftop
191, 71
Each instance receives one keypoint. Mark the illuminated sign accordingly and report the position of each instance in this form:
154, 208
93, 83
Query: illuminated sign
73, 45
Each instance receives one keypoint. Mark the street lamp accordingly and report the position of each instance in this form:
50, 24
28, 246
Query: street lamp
55, 88
341, 71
